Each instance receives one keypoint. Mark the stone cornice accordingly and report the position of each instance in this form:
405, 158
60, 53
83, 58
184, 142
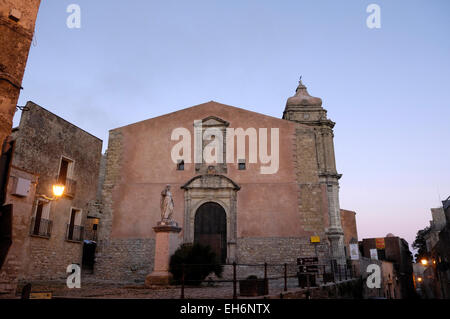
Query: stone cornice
9, 78
16, 28
189, 186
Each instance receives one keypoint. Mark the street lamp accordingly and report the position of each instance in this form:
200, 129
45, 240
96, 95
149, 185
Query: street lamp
58, 191
424, 261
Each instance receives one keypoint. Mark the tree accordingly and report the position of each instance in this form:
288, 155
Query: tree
198, 262
420, 243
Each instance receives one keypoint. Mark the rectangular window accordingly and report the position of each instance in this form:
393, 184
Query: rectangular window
41, 224
241, 164
180, 165
65, 170
74, 228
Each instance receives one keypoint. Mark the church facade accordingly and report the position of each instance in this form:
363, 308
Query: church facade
253, 187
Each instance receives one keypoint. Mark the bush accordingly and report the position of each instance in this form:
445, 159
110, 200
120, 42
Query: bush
199, 261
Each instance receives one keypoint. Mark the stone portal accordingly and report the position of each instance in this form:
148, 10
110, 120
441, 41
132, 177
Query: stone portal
212, 189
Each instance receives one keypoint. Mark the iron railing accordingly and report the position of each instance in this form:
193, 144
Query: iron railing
70, 187
74, 233
41, 227
276, 278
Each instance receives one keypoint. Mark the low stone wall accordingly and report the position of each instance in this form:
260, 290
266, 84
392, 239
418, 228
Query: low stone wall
348, 289
256, 250
125, 260
131, 260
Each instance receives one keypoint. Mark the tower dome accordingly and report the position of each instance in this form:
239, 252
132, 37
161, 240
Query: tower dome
390, 235
302, 98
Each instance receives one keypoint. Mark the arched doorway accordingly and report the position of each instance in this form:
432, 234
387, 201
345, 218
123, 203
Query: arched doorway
210, 228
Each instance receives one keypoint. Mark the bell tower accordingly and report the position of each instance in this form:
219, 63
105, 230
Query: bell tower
307, 110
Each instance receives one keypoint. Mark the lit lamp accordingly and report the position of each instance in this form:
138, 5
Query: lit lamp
424, 261
419, 279
58, 191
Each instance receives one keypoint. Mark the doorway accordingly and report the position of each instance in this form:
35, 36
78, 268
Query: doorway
211, 229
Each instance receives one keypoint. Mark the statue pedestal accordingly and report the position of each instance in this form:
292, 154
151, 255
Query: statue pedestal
166, 244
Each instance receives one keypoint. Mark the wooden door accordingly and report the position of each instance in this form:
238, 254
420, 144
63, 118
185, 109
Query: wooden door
211, 229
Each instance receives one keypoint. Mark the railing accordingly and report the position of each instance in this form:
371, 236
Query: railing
277, 278
41, 227
74, 233
70, 187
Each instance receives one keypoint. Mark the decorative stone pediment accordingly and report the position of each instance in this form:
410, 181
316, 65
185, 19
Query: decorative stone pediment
211, 181
213, 121
218, 127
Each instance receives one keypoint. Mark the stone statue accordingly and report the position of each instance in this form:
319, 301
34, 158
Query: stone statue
166, 205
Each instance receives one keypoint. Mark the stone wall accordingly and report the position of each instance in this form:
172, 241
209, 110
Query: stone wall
16, 34
125, 260
17, 255
276, 215
348, 221
42, 139
278, 250
119, 259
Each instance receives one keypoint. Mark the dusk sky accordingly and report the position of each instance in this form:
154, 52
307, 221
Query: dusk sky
387, 89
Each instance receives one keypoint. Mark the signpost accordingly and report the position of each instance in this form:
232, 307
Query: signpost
308, 267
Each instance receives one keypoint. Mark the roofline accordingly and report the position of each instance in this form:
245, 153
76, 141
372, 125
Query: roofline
63, 120
189, 107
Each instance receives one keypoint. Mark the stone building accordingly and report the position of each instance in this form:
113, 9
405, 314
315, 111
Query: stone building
390, 286
269, 201
48, 232
17, 20
396, 250
437, 223
348, 220
438, 248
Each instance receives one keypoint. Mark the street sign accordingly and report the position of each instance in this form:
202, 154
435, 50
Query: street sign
307, 260
41, 295
354, 252
310, 269
308, 264
373, 254
315, 239
379, 243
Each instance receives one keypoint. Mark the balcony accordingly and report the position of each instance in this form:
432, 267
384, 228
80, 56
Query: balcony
71, 187
74, 233
40, 227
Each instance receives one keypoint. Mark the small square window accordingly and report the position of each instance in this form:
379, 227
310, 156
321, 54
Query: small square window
180, 165
241, 164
